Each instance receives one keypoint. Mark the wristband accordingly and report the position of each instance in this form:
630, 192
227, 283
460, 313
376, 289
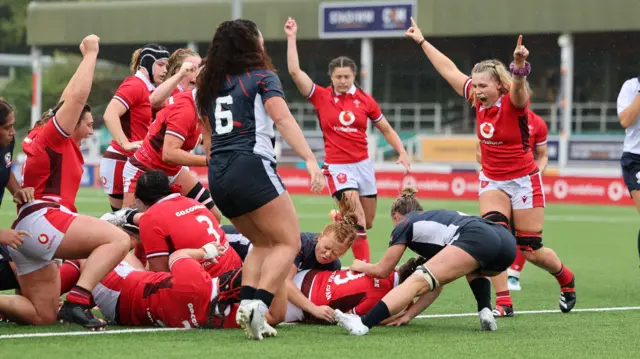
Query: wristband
525, 71
421, 42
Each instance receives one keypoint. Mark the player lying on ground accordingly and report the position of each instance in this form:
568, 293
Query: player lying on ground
319, 251
454, 244
345, 290
168, 221
186, 297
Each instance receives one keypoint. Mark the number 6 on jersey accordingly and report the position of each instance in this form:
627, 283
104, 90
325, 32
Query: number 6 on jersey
222, 114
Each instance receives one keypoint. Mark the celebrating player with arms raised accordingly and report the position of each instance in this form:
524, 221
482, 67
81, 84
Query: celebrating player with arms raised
54, 169
510, 182
344, 111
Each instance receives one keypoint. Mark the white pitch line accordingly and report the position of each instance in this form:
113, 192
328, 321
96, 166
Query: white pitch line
68, 334
519, 312
427, 316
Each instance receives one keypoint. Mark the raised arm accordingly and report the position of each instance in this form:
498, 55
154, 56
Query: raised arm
300, 78
77, 92
442, 63
163, 91
520, 69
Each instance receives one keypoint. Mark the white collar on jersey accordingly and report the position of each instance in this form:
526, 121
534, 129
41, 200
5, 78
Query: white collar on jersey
146, 81
352, 91
498, 104
180, 88
171, 196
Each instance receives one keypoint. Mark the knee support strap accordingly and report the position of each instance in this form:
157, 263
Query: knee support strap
202, 195
529, 241
425, 273
497, 217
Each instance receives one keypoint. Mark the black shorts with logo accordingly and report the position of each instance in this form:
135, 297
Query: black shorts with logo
240, 183
630, 163
492, 245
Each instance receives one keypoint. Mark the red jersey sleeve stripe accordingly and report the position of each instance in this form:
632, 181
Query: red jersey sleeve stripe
379, 118
172, 133
176, 260
122, 101
466, 89
157, 254
55, 123
541, 143
313, 89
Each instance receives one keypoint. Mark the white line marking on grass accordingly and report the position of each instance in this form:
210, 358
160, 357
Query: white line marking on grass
519, 312
426, 316
68, 334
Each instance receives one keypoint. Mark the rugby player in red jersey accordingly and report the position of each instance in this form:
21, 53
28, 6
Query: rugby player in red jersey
350, 292
54, 169
187, 297
168, 221
167, 147
344, 111
538, 144
129, 115
321, 252
510, 181
181, 67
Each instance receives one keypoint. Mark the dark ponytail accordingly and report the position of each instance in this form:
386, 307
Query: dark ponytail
234, 49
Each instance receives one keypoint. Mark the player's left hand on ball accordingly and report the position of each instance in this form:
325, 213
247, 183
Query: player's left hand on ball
24, 195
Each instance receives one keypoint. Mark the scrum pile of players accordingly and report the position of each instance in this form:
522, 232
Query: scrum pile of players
186, 270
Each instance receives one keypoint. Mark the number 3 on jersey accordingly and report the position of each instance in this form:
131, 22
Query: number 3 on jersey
224, 118
350, 276
210, 229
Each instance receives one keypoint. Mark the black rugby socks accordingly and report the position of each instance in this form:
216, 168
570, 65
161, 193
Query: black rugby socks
376, 315
481, 288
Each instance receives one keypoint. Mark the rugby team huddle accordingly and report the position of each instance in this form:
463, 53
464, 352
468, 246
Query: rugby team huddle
161, 257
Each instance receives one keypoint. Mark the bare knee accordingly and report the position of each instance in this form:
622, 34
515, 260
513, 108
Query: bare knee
417, 284
48, 318
121, 241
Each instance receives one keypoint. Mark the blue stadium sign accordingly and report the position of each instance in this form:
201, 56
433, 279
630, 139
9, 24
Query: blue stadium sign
365, 19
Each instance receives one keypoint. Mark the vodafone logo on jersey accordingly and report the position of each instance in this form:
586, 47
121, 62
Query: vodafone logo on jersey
487, 130
346, 118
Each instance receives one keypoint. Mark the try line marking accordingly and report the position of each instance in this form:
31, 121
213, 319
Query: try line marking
427, 316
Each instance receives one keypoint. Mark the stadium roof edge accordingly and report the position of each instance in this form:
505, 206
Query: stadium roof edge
141, 21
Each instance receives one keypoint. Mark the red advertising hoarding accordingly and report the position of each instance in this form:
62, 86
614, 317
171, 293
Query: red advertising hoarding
464, 185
